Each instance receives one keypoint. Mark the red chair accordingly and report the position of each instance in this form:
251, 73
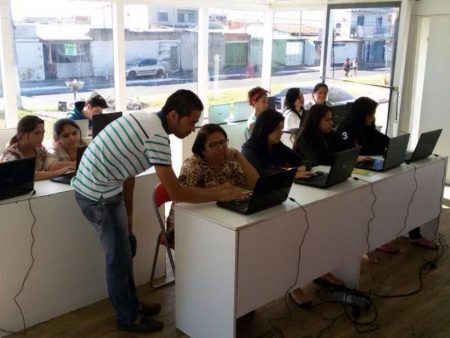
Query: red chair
161, 196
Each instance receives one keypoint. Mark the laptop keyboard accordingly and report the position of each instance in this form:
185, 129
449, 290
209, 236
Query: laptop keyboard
316, 176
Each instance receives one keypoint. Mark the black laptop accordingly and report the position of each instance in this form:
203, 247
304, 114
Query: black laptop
340, 171
395, 155
270, 190
66, 178
100, 121
425, 146
16, 177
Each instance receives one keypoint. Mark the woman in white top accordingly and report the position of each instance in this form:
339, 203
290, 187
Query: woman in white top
319, 95
67, 140
293, 115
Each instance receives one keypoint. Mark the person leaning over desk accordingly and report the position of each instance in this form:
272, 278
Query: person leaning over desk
125, 148
358, 129
28, 143
212, 164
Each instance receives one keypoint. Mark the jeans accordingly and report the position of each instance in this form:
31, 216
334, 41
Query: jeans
109, 218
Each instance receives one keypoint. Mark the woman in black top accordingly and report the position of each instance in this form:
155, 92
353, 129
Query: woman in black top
358, 128
317, 141
266, 152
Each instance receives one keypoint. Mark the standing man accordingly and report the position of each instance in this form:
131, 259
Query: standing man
125, 148
82, 110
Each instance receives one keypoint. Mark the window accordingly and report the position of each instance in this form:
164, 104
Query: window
57, 43
369, 47
180, 17
166, 55
163, 17
296, 51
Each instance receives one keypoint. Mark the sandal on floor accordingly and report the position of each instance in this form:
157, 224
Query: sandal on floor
424, 243
329, 280
301, 304
389, 249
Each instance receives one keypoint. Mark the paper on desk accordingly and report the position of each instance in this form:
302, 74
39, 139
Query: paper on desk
362, 172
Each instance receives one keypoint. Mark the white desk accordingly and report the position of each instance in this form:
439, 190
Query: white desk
229, 264
69, 269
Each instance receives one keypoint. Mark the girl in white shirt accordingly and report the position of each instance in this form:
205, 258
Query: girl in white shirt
293, 115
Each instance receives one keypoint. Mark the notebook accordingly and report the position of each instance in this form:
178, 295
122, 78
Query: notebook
270, 190
100, 121
66, 178
395, 155
340, 171
425, 146
16, 177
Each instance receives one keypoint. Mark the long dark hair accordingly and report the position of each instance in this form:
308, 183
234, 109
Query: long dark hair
199, 144
59, 126
265, 124
289, 101
356, 118
310, 128
26, 125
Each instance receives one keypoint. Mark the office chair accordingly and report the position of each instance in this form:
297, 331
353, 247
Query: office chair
160, 197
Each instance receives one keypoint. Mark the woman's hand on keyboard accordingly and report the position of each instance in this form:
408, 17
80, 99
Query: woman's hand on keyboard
228, 192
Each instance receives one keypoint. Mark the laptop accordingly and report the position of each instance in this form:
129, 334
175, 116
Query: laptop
84, 127
100, 121
17, 177
425, 146
219, 113
395, 155
270, 190
66, 178
241, 111
340, 171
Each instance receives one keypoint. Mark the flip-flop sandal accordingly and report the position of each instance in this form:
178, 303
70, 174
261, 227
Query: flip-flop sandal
424, 243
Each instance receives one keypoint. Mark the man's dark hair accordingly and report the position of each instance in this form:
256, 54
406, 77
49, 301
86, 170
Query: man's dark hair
199, 144
96, 100
184, 102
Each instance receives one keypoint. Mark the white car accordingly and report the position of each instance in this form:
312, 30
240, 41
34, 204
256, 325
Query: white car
144, 67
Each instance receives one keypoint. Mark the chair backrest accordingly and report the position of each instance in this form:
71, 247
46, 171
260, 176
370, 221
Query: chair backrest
160, 195
219, 113
5, 136
241, 111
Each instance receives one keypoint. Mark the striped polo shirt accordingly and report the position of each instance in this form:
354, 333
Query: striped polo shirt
125, 148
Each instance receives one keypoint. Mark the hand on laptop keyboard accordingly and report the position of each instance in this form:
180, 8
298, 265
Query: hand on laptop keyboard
228, 192
364, 159
302, 174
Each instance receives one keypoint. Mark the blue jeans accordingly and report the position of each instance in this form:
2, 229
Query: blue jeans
109, 218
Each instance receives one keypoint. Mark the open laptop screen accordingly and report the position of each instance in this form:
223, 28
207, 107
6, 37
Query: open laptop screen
16, 177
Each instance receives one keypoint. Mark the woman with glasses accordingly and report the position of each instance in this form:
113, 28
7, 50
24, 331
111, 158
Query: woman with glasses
213, 164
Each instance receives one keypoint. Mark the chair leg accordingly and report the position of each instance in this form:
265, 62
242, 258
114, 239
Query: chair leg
155, 259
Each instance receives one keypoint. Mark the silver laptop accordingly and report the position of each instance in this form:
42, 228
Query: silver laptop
84, 127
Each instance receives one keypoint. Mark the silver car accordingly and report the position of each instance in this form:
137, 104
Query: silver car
144, 67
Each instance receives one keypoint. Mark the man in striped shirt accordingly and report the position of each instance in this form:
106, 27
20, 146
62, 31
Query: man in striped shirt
125, 148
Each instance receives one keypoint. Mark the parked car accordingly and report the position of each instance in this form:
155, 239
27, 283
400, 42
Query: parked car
144, 67
336, 96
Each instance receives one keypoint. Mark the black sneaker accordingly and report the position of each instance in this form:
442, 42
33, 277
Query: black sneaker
149, 309
145, 325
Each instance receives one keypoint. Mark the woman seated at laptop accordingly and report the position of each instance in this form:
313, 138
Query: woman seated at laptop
265, 151
267, 154
67, 140
317, 141
319, 95
213, 164
28, 143
358, 128
293, 114
257, 98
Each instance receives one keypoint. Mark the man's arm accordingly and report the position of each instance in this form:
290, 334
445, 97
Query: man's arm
178, 193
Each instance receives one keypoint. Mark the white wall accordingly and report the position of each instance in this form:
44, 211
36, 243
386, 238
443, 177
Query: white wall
30, 61
435, 111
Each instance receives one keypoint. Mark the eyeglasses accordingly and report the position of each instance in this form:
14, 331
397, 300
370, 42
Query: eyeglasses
218, 144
